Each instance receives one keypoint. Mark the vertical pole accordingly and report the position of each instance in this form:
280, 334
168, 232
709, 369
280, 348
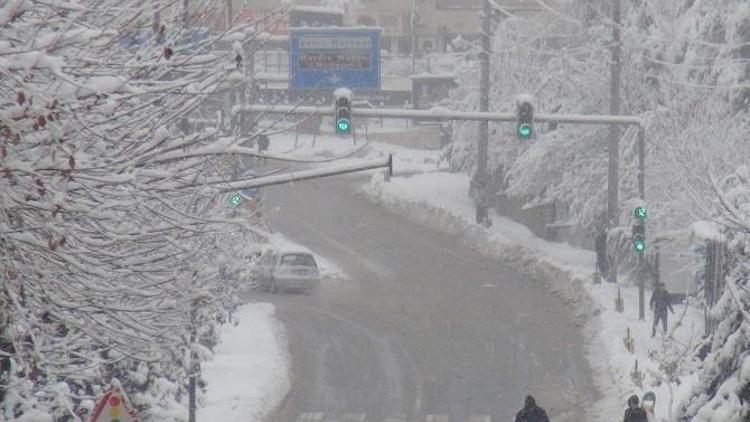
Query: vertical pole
709, 286
484, 87
641, 289
184, 122
192, 377
614, 145
413, 28
642, 196
228, 14
641, 162
185, 14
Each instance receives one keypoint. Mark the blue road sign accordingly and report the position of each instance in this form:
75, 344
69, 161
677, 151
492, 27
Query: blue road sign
321, 58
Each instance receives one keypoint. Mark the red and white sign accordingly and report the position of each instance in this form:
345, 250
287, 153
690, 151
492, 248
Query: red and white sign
114, 407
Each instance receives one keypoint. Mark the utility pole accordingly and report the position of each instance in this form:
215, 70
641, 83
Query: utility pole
413, 28
228, 13
642, 196
614, 144
480, 177
185, 14
194, 366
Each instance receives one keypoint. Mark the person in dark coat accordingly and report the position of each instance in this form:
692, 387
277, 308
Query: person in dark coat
660, 303
531, 412
634, 413
600, 246
263, 143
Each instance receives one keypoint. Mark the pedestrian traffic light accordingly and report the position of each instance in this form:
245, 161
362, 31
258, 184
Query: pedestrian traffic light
343, 115
235, 199
524, 119
640, 213
639, 237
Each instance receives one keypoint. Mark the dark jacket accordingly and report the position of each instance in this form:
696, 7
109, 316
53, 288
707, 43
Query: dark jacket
660, 301
263, 142
635, 414
532, 413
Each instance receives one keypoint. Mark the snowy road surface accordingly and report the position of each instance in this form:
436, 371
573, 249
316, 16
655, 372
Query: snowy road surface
422, 326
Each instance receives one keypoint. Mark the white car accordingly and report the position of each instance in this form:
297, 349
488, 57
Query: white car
283, 270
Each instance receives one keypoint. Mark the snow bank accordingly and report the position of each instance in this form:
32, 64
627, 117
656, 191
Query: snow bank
249, 374
441, 201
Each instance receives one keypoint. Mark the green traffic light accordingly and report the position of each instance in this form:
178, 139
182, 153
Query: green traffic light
236, 199
640, 213
524, 131
342, 126
639, 245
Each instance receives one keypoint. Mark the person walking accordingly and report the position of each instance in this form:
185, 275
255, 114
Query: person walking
660, 303
531, 412
600, 247
263, 143
634, 413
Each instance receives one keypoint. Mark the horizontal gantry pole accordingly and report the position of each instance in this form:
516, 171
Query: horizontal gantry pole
440, 114
295, 176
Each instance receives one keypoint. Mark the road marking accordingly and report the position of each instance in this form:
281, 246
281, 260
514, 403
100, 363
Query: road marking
480, 418
311, 417
399, 418
438, 418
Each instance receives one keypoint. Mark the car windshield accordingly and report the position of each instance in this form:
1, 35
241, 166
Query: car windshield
298, 260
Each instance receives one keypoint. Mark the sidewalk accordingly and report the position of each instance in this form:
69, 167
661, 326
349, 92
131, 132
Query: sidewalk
440, 201
249, 373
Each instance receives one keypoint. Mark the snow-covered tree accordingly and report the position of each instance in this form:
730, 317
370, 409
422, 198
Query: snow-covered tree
112, 222
721, 391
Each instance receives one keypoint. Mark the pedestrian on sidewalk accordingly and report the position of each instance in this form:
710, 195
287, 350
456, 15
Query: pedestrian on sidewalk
263, 143
634, 413
600, 247
660, 303
531, 412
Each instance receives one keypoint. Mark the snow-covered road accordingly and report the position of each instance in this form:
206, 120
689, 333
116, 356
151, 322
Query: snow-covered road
423, 324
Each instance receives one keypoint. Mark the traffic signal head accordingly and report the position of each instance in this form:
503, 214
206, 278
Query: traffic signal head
524, 120
343, 115
639, 237
639, 243
640, 213
235, 199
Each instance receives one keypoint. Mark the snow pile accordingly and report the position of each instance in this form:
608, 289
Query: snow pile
249, 373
